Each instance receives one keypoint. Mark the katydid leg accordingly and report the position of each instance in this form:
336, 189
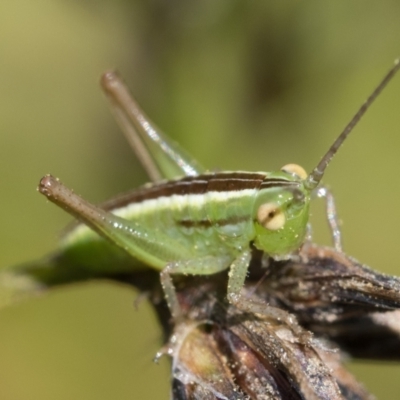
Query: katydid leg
198, 266
237, 276
161, 157
332, 216
129, 235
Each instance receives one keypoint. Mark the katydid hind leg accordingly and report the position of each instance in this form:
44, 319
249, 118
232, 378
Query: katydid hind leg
197, 266
134, 238
161, 157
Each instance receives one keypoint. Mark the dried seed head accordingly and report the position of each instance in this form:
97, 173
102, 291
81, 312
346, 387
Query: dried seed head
220, 353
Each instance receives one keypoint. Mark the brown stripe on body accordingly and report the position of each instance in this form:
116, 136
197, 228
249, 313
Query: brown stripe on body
205, 223
275, 182
218, 182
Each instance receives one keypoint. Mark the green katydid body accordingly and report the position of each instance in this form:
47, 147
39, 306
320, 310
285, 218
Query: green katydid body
199, 224
212, 215
204, 222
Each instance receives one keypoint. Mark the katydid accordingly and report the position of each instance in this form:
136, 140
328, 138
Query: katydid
199, 222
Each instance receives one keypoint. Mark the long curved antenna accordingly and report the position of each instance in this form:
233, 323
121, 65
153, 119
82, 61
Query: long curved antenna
316, 175
161, 157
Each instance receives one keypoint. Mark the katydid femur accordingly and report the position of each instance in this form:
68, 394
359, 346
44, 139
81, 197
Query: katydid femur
203, 222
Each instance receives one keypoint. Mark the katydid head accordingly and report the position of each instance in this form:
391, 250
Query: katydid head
281, 212
282, 206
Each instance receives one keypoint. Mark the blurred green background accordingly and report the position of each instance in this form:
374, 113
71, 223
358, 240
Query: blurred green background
242, 85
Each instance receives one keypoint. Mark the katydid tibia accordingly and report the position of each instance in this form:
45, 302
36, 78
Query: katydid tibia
203, 222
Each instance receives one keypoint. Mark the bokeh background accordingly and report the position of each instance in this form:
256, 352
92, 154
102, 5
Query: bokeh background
242, 85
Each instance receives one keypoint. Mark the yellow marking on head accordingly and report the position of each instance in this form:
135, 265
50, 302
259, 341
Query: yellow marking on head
295, 169
270, 216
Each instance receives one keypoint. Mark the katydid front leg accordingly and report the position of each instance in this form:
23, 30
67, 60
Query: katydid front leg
331, 215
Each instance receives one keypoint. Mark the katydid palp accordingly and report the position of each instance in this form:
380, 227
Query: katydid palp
198, 222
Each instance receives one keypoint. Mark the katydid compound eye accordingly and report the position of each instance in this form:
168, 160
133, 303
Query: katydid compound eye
295, 169
270, 216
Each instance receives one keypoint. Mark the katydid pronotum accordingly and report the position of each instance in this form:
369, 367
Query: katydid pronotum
196, 221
